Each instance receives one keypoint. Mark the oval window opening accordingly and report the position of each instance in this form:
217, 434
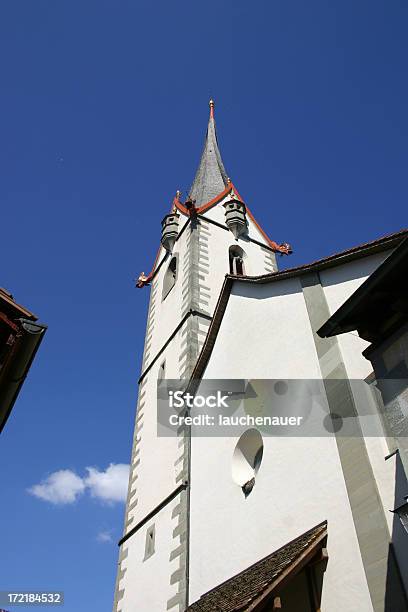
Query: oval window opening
247, 459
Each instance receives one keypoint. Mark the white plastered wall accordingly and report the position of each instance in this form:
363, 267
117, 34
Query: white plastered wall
266, 334
338, 284
146, 582
156, 467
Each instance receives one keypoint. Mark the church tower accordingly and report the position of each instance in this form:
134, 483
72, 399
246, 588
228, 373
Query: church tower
208, 235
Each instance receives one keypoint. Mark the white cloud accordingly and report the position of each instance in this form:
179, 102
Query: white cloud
110, 485
104, 536
65, 486
62, 487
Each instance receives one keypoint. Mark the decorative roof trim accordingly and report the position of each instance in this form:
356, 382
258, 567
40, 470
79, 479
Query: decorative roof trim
216, 200
143, 279
192, 211
279, 248
146, 280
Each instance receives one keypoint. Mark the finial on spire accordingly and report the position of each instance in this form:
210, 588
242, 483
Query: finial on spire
211, 103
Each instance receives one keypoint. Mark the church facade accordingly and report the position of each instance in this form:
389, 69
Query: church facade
252, 521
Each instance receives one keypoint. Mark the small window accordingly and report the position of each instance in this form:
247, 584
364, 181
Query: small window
149, 546
162, 372
236, 260
170, 277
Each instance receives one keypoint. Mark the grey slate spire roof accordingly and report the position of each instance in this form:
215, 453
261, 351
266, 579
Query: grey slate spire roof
211, 177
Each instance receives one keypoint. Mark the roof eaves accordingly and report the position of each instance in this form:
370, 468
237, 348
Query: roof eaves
25, 349
5, 297
333, 325
366, 249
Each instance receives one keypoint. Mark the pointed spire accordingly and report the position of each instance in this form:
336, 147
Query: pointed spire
211, 177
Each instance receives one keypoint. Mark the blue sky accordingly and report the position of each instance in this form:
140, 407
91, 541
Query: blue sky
103, 113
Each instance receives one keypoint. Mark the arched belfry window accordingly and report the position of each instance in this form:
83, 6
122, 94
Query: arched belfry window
170, 277
236, 260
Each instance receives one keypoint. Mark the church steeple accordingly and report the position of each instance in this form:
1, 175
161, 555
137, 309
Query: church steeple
211, 178
211, 186
203, 238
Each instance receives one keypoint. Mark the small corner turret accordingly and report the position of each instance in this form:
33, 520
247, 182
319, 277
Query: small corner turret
170, 225
235, 216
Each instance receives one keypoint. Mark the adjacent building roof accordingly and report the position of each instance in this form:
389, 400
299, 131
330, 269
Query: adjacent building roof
7, 304
266, 577
379, 305
20, 337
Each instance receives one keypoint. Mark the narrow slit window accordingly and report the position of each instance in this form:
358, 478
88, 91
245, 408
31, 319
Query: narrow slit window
162, 372
150, 541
